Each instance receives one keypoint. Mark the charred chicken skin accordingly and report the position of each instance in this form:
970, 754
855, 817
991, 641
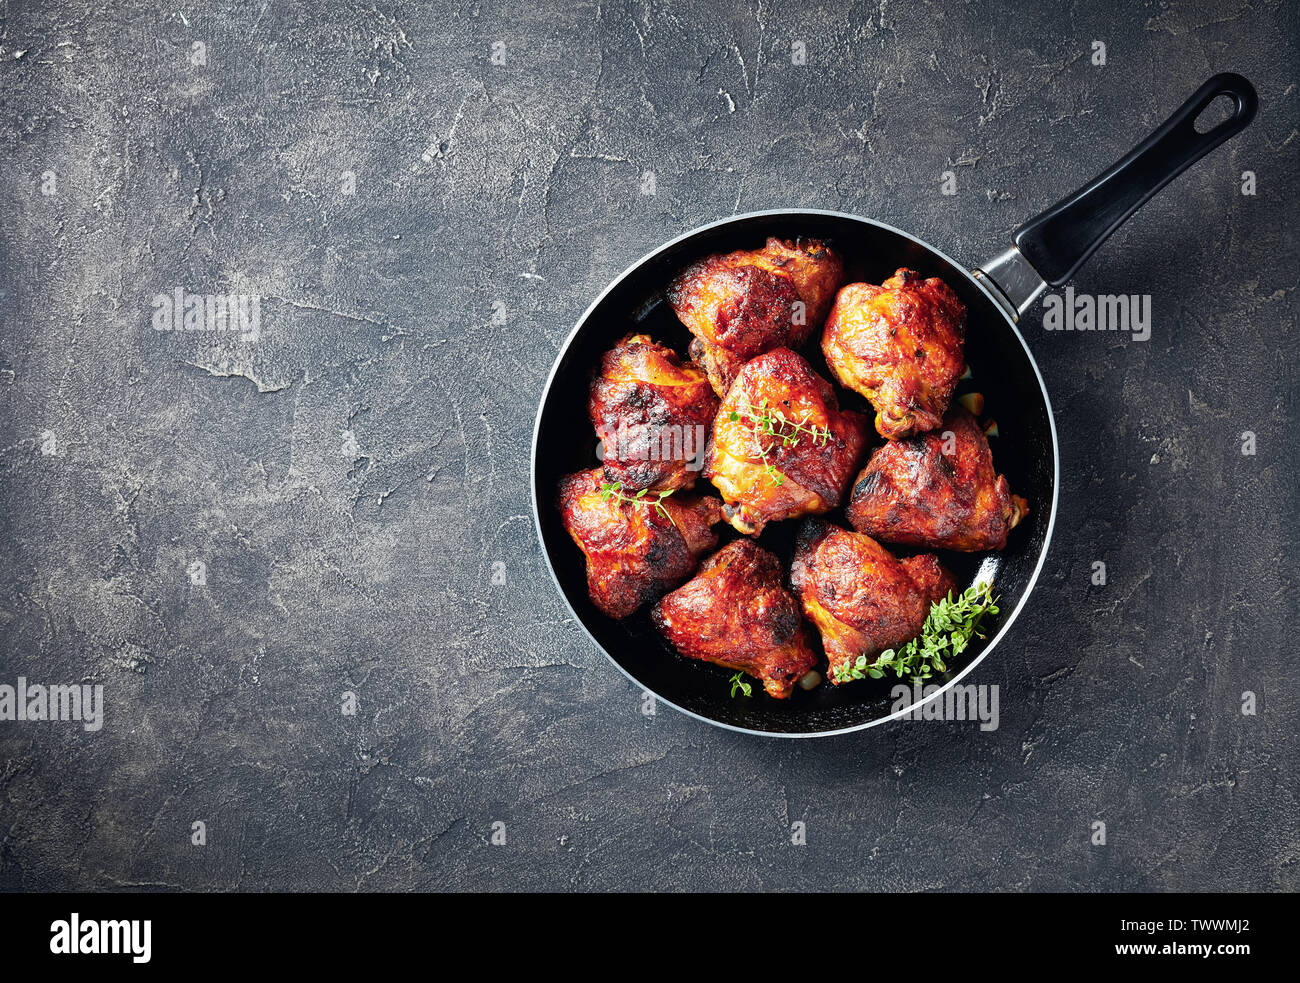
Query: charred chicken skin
652, 415
900, 346
860, 597
736, 614
781, 446
739, 305
937, 490
636, 549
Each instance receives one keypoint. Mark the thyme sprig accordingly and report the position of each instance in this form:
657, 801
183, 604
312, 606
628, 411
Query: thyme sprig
614, 490
948, 629
770, 426
738, 683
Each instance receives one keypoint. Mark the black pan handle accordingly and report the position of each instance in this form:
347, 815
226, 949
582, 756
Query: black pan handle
1058, 241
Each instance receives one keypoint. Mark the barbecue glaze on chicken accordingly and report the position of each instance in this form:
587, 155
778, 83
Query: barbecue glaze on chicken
652, 415
900, 346
635, 550
781, 446
741, 304
736, 614
937, 490
860, 597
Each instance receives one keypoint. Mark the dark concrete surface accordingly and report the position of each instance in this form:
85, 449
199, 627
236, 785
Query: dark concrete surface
420, 314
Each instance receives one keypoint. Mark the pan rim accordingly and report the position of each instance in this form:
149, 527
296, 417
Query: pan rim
771, 213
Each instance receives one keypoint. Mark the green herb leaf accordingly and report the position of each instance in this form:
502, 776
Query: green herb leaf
948, 630
615, 492
766, 421
738, 683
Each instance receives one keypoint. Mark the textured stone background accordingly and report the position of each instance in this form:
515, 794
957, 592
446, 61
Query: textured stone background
422, 314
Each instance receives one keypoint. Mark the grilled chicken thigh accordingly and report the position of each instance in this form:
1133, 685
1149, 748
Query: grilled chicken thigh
636, 548
652, 415
861, 598
899, 345
937, 490
781, 446
735, 613
741, 304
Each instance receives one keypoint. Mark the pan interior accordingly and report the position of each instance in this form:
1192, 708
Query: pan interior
565, 442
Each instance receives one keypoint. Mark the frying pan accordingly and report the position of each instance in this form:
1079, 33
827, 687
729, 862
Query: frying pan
1045, 250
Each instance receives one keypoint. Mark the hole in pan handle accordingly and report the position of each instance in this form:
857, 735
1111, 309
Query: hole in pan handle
1057, 242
